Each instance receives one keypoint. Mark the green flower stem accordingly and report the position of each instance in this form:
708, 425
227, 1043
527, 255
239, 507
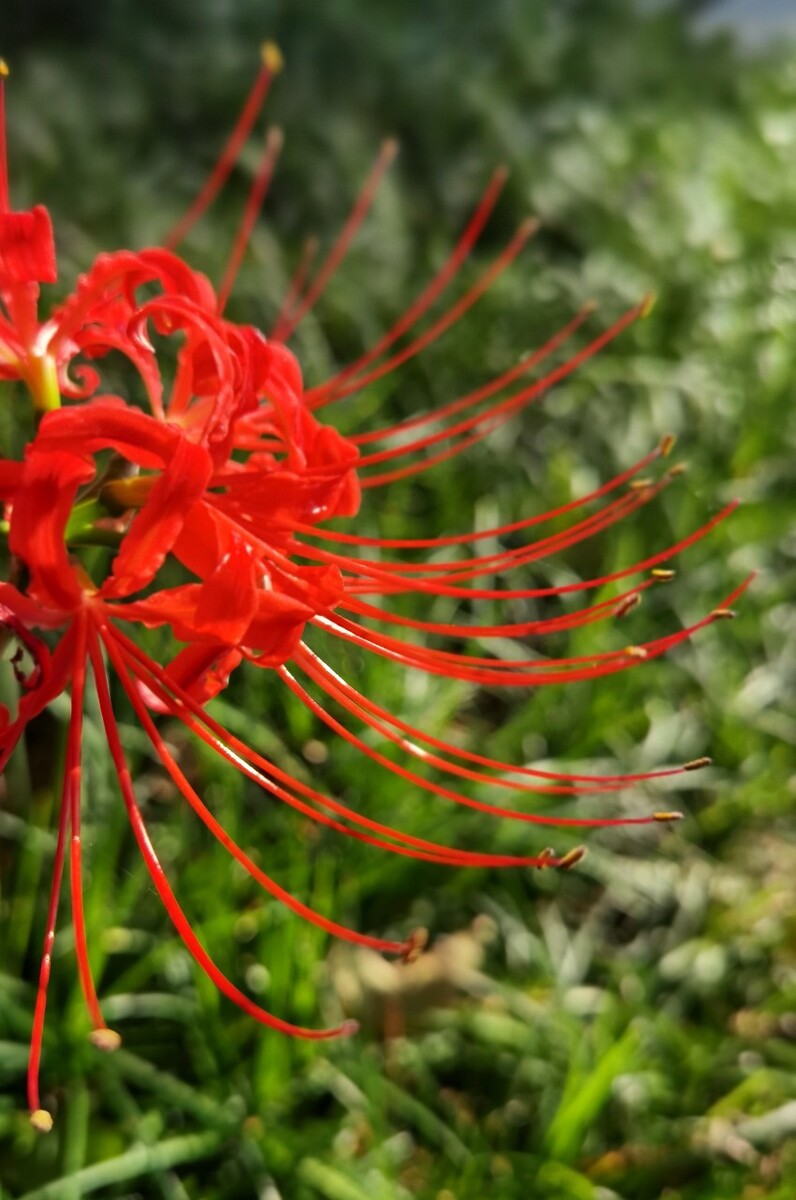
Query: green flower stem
42, 380
81, 529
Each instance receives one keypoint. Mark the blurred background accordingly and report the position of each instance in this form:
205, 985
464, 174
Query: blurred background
624, 1030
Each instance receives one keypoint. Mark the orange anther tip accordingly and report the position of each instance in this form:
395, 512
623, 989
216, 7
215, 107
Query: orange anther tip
627, 604
276, 137
696, 764
4, 71
529, 227
678, 469
273, 59
546, 856
667, 816
589, 307
667, 444
348, 1028
107, 1040
389, 148
723, 614
636, 652
640, 485
572, 858
647, 305
41, 1120
662, 574
415, 944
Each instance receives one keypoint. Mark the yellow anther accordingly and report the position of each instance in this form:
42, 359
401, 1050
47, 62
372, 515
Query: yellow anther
662, 574
678, 469
41, 1120
105, 1039
636, 652
640, 485
667, 444
723, 614
647, 305
667, 816
389, 148
571, 858
629, 602
121, 494
272, 57
696, 764
4, 71
546, 856
528, 227
415, 944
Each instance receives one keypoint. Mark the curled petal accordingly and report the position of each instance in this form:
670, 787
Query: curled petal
42, 505
157, 526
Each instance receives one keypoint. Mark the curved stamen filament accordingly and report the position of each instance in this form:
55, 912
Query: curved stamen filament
497, 384
331, 389
492, 810
270, 66
441, 589
254, 202
268, 776
296, 286
70, 798
284, 328
72, 782
346, 694
497, 414
458, 666
485, 281
5, 204
460, 539
251, 868
161, 884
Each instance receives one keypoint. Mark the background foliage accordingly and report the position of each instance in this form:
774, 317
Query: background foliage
627, 1030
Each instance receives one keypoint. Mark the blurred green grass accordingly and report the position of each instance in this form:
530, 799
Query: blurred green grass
626, 1030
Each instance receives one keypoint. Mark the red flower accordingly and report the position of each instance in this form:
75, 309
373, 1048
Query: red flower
231, 476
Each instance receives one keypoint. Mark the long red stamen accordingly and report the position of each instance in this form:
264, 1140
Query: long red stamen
483, 393
40, 1117
459, 539
415, 311
161, 884
284, 328
436, 789
188, 792
497, 414
271, 65
339, 688
104, 1038
441, 589
555, 670
502, 560
5, 204
254, 202
485, 281
296, 285
241, 756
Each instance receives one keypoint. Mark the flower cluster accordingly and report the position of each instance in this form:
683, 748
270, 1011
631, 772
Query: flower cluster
225, 474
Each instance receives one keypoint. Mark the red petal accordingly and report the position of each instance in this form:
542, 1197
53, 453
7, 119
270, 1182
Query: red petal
159, 523
201, 671
27, 247
228, 600
42, 506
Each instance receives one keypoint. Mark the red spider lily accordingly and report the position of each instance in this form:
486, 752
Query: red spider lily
230, 475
